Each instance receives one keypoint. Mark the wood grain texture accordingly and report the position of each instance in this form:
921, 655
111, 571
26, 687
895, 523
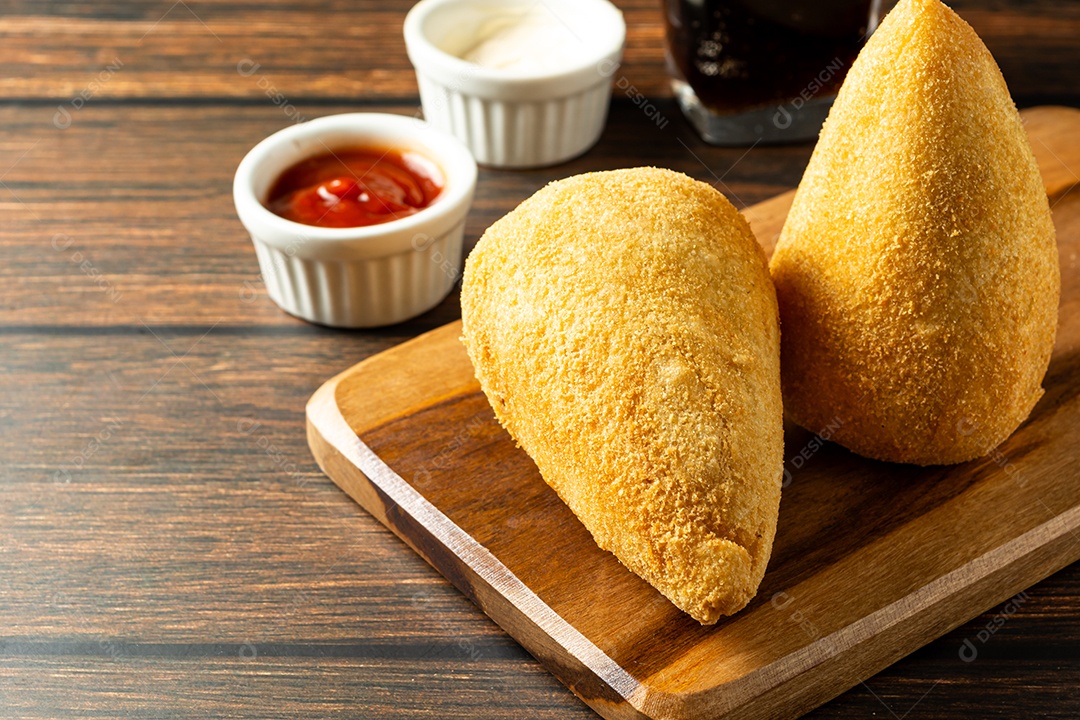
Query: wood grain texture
193, 569
159, 234
354, 51
871, 560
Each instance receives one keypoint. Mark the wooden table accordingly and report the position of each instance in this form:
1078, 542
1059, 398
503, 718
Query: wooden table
168, 548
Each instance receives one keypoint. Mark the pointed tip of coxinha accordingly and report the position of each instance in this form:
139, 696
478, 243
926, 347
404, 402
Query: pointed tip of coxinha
917, 273
922, 77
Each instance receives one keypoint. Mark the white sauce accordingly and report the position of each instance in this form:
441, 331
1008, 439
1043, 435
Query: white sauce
535, 41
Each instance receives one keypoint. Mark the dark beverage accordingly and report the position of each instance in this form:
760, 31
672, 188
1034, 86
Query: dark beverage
776, 57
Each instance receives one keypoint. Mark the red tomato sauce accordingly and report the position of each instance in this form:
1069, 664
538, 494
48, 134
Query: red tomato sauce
355, 187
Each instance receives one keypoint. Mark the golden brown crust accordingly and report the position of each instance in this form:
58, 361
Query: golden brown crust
917, 273
624, 327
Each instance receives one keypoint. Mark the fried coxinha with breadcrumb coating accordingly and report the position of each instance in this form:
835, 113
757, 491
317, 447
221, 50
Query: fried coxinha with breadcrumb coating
624, 328
917, 272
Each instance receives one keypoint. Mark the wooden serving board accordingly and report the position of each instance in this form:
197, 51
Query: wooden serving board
871, 560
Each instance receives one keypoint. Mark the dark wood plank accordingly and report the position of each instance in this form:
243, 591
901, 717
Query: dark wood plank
139, 199
341, 50
139, 686
354, 52
189, 557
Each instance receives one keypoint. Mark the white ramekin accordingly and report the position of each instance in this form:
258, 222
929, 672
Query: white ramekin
508, 118
365, 276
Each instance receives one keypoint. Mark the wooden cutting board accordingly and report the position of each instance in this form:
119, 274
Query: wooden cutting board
871, 560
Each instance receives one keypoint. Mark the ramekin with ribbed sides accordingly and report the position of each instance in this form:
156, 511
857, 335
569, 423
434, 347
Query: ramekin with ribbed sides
356, 277
521, 83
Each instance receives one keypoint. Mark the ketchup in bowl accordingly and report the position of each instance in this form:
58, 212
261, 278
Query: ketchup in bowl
355, 187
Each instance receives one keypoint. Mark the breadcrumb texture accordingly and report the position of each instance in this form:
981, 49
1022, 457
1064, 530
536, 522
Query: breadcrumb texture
624, 328
917, 273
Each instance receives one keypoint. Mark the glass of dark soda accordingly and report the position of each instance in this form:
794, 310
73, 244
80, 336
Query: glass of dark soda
750, 71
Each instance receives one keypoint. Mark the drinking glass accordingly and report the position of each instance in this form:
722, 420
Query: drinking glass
750, 71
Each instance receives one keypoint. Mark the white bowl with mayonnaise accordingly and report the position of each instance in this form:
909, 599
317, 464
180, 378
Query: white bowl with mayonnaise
521, 83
